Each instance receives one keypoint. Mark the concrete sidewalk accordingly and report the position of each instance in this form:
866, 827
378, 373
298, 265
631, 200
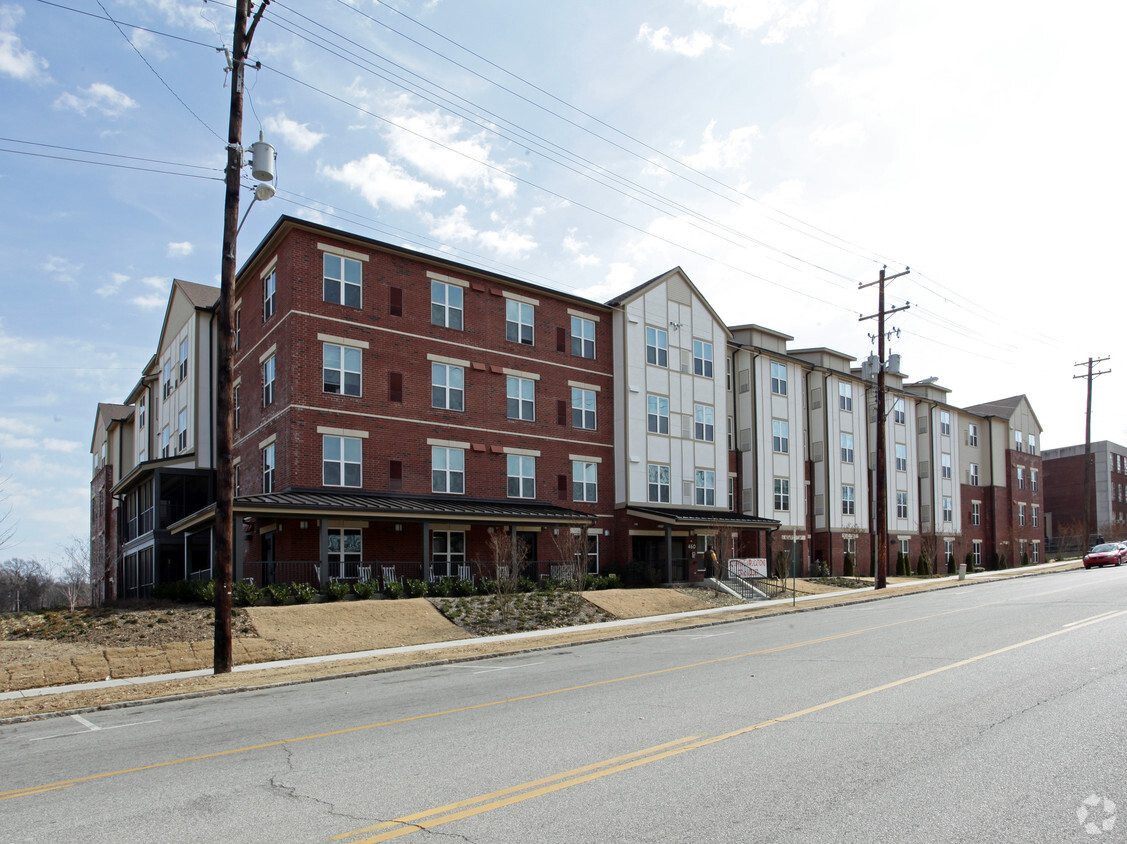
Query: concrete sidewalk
555, 633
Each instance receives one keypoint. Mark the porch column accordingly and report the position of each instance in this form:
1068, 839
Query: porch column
239, 547
426, 551
668, 554
185, 555
323, 551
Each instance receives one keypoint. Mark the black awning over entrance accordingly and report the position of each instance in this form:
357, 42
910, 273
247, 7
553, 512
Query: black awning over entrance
689, 517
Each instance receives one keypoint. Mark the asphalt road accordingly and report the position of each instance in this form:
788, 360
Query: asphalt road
987, 713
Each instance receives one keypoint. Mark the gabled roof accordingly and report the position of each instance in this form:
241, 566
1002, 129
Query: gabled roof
106, 415
202, 297
641, 289
1003, 408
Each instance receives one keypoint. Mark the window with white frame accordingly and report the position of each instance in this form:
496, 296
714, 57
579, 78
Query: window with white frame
901, 505
182, 431
782, 494
731, 434
728, 374
341, 460
182, 369
518, 321
975, 513
945, 465
848, 500
780, 436
704, 428
1033, 479
948, 510
166, 389
164, 442
901, 457
238, 322
1032, 444
447, 469
1033, 515
898, 414
702, 358
972, 474
849, 546
447, 551
845, 396
343, 280
732, 495
1036, 557
268, 465
976, 552
705, 487
447, 386
269, 291
583, 408
778, 379
905, 546
1021, 477
657, 346
583, 337
1021, 515
846, 448
657, 414
1018, 443
341, 369
948, 549
657, 491
972, 435
520, 395
235, 475
141, 406
945, 422
344, 547
446, 305
268, 381
584, 481
236, 390
521, 476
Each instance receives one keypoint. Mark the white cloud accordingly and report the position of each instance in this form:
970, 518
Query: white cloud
61, 268
782, 16
99, 96
455, 227
725, 153
16, 60
9, 425
149, 303
157, 282
297, 135
380, 181
851, 134
148, 44
620, 276
113, 285
659, 41
508, 244
575, 246
183, 14
181, 249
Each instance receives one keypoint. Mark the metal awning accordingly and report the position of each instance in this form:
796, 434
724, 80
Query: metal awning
393, 508
702, 518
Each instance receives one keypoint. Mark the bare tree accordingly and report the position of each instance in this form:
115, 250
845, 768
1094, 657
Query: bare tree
75, 580
721, 544
24, 585
1072, 537
572, 548
509, 553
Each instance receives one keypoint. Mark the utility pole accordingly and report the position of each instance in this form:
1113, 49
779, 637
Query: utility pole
1088, 468
224, 381
881, 579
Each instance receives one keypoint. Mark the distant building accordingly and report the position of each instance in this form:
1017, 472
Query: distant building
1107, 493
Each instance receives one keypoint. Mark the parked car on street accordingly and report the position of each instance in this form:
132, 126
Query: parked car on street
1106, 554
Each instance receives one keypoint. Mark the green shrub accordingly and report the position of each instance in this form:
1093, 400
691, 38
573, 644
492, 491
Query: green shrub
950, 564
524, 584
335, 590
487, 586
279, 592
416, 589
393, 590
1025, 558
204, 591
303, 593
365, 589
440, 588
462, 588
246, 593
923, 566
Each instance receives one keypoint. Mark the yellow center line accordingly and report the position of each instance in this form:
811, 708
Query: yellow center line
548, 785
30, 790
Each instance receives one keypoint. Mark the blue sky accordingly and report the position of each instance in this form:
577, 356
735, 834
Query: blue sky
778, 151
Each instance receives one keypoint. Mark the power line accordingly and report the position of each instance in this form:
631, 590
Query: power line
109, 154
110, 164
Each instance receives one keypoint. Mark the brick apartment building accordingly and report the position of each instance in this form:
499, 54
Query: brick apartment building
1064, 494
393, 410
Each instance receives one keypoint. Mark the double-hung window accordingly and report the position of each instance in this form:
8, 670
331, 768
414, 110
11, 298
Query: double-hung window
657, 414
901, 458
344, 547
268, 381
343, 280
972, 474
269, 291
780, 436
845, 396
702, 358
948, 511
341, 460
657, 491
945, 422
1021, 515
1033, 480
164, 440
182, 373
657, 346
583, 408
706, 488
446, 305
972, 435
182, 431
1034, 514
341, 369
704, 428
1018, 445
518, 321
268, 464
447, 386
975, 513
898, 414
945, 465
520, 395
1032, 444
584, 481
1021, 477
779, 379
447, 469
521, 476
583, 337
782, 494
901, 505
846, 448
848, 500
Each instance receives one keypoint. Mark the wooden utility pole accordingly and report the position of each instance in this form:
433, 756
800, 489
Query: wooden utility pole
1088, 468
881, 478
224, 380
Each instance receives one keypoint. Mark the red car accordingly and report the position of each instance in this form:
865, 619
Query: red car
1108, 554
